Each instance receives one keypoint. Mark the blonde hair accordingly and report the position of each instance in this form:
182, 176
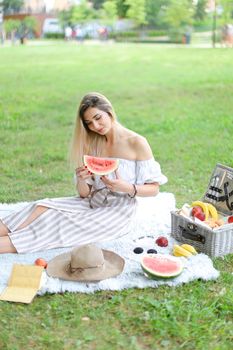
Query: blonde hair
84, 140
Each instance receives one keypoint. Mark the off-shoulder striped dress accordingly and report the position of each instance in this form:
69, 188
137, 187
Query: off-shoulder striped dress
72, 221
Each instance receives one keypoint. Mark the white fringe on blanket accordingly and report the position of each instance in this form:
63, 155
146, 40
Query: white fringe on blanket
153, 220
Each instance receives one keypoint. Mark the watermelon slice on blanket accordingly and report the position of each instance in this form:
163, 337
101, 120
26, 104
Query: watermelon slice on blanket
99, 165
157, 266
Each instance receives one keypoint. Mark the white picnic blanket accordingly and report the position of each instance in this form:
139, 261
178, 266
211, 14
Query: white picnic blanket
152, 220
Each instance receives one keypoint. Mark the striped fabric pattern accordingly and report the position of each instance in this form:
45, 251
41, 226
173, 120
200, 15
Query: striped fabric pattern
70, 222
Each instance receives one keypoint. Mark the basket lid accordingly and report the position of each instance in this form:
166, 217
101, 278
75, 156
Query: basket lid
220, 189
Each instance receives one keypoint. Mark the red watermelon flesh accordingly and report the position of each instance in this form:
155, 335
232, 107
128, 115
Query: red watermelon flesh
163, 266
100, 166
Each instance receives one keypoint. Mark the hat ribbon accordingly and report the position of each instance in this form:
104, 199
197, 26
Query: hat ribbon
80, 269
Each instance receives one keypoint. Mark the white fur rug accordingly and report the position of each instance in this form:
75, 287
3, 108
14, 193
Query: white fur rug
153, 220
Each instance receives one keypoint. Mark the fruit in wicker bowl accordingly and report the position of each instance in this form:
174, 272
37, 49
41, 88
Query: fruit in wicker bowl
198, 213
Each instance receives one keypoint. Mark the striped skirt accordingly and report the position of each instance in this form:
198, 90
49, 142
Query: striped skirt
72, 221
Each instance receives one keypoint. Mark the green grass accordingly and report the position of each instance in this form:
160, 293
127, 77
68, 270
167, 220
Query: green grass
181, 100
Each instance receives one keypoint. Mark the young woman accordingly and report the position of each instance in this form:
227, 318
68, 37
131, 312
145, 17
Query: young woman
106, 205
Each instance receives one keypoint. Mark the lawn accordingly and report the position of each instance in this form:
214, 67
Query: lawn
181, 100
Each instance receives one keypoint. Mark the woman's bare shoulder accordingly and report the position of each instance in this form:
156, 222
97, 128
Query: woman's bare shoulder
141, 147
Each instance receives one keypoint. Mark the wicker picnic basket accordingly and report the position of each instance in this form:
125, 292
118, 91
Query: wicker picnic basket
217, 242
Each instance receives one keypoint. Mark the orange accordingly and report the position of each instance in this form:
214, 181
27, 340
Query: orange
41, 262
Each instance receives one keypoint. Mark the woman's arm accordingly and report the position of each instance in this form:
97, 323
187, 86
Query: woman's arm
82, 187
146, 190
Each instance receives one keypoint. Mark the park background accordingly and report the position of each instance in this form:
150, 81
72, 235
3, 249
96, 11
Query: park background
160, 21
179, 96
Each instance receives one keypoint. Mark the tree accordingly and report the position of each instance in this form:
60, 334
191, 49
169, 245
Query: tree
65, 17
136, 11
10, 6
27, 25
11, 26
227, 11
179, 13
82, 13
122, 8
154, 11
97, 4
77, 14
200, 10
109, 13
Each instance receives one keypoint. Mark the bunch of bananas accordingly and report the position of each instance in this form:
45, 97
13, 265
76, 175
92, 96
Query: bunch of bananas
185, 250
208, 209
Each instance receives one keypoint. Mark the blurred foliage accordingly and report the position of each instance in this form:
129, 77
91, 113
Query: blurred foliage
225, 11
122, 8
82, 13
170, 15
97, 4
154, 12
109, 11
11, 26
179, 13
27, 25
21, 28
54, 35
200, 10
77, 14
10, 6
160, 14
137, 11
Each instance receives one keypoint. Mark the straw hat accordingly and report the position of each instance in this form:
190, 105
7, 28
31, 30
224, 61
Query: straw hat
86, 263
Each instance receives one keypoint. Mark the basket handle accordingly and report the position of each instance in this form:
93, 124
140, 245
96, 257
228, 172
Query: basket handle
189, 233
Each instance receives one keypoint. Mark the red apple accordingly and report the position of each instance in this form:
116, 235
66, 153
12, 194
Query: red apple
198, 213
196, 210
162, 241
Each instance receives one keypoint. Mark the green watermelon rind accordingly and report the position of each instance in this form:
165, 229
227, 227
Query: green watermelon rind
114, 166
159, 276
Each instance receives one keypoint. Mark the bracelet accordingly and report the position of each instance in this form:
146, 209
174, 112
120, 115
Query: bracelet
135, 192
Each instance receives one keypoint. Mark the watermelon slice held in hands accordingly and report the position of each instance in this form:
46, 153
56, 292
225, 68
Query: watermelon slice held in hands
161, 266
99, 165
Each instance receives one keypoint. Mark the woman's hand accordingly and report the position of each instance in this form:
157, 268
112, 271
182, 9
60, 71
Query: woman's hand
117, 185
83, 173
